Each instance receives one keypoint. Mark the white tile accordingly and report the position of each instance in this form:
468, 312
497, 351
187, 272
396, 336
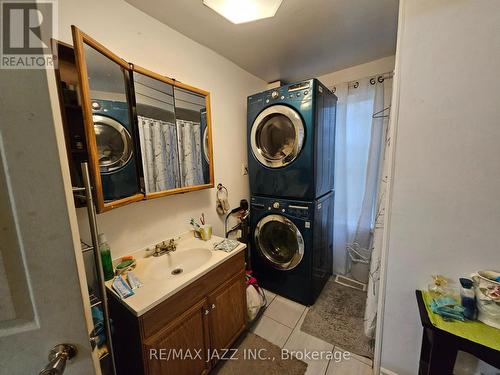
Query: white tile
349, 366
272, 331
360, 358
301, 341
285, 311
269, 296
316, 367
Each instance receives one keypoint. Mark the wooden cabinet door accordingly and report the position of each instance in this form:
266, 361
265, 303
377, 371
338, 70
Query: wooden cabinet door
181, 348
227, 306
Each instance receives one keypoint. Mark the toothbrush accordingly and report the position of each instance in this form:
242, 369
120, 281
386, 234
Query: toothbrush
195, 225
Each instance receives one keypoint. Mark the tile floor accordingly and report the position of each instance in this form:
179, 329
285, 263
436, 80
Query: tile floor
280, 324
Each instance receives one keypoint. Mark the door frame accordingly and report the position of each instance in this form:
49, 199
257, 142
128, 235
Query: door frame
73, 220
393, 118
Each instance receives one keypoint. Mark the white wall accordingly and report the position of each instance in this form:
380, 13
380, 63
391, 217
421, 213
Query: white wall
445, 205
145, 41
383, 65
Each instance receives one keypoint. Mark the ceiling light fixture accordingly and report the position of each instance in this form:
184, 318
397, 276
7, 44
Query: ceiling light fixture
241, 11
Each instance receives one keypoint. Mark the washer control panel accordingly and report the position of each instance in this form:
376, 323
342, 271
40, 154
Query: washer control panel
299, 210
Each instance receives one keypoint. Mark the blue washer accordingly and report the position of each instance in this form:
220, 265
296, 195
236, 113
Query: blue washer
291, 141
292, 245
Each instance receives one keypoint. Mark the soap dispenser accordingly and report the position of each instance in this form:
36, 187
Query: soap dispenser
107, 263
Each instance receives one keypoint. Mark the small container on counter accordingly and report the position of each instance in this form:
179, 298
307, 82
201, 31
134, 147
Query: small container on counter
468, 298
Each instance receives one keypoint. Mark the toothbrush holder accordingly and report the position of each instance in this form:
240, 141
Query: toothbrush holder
205, 232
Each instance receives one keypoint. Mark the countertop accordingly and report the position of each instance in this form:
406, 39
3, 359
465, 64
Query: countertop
155, 291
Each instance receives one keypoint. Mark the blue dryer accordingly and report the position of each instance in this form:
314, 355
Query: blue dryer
292, 245
115, 149
291, 141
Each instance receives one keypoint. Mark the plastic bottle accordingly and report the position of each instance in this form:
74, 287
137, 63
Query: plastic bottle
468, 298
107, 263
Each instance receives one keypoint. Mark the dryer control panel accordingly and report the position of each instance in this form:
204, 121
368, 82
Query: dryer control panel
296, 92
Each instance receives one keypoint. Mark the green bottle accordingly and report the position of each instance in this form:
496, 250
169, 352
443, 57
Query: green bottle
107, 263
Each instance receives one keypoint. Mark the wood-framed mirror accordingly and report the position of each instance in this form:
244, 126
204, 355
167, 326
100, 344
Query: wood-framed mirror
147, 135
108, 120
174, 126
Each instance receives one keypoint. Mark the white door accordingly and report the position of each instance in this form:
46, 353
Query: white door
43, 301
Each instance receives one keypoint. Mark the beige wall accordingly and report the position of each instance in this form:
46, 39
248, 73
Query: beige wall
446, 187
145, 41
383, 65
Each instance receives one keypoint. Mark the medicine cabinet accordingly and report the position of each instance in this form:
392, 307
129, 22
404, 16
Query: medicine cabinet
144, 135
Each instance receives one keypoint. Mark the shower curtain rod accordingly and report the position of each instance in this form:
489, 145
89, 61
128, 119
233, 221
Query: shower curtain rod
374, 79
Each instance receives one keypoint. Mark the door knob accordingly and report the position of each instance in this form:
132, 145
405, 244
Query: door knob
213, 306
58, 356
207, 311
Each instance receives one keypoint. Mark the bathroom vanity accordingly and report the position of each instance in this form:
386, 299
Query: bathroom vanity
195, 313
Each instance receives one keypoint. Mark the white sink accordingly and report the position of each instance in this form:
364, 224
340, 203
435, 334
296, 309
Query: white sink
161, 276
175, 264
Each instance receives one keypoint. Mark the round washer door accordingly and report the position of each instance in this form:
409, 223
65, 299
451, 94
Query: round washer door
114, 143
277, 136
279, 241
205, 145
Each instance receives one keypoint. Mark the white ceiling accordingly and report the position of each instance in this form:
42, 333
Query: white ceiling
306, 38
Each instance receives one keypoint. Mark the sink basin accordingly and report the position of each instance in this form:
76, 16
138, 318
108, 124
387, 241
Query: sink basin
176, 263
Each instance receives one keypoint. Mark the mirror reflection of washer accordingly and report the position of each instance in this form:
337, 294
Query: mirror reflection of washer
291, 140
115, 149
205, 160
114, 143
291, 253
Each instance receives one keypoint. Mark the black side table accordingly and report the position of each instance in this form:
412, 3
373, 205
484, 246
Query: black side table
440, 348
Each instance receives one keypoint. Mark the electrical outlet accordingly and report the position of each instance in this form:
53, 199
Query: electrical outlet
244, 169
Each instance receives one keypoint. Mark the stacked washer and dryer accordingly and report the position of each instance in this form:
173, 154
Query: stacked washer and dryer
291, 148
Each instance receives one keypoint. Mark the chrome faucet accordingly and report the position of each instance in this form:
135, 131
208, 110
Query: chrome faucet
162, 248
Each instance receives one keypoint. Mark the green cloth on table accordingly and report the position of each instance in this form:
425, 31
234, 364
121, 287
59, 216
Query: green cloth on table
471, 330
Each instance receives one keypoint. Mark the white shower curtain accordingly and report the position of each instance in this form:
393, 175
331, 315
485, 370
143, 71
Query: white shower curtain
382, 100
159, 154
359, 155
352, 150
189, 141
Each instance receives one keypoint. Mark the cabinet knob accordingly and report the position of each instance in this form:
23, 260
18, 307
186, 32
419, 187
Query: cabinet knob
213, 306
207, 311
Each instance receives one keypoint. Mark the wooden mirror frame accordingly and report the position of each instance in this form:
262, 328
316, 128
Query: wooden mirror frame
80, 39
206, 94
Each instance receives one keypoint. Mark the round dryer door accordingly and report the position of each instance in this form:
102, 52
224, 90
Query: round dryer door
279, 241
277, 136
114, 143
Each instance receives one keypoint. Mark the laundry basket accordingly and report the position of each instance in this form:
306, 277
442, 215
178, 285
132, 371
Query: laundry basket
359, 262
